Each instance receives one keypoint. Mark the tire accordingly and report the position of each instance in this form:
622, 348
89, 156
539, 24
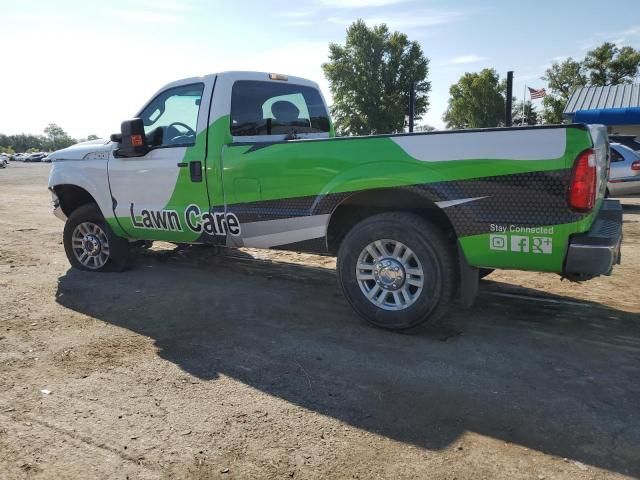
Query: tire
486, 271
86, 234
395, 275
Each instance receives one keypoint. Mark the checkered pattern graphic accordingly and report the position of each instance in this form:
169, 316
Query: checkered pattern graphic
524, 199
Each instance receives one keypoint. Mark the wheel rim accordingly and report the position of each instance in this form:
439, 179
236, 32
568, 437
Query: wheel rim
90, 245
389, 274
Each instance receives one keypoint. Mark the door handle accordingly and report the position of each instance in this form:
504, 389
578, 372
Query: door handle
183, 164
195, 169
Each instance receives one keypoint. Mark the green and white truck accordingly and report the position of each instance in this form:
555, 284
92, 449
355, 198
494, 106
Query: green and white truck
249, 159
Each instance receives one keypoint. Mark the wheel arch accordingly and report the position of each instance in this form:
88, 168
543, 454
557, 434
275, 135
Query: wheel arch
361, 205
71, 197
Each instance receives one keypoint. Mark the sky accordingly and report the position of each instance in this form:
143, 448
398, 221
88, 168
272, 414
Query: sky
87, 65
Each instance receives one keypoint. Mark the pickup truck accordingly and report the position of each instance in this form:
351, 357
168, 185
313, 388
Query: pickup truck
249, 159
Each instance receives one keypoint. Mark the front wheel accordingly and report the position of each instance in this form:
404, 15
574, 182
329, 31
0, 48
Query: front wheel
91, 245
397, 270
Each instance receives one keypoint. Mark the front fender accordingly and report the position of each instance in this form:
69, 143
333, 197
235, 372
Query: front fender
90, 175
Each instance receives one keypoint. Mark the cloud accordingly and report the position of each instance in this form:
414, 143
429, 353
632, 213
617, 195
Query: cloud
359, 3
298, 14
154, 12
464, 59
526, 78
298, 23
147, 17
632, 31
166, 5
406, 19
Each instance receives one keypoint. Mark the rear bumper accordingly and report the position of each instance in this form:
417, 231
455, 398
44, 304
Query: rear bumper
595, 252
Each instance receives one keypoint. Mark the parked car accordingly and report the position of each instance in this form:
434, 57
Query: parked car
46, 158
18, 157
4, 160
35, 157
624, 172
631, 141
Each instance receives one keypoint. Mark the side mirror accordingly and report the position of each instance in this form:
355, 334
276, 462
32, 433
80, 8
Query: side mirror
132, 140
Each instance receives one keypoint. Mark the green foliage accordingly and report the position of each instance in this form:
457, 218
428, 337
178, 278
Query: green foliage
563, 78
476, 101
55, 139
58, 138
370, 76
610, 65
553, 108
530, 114
93, 137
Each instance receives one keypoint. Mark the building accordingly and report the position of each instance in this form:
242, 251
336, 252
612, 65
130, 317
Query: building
616, 106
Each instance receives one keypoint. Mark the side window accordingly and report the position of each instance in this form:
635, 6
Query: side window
171, 119
615, 156
276, 108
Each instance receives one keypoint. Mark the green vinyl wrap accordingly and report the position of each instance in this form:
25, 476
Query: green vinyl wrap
246, 173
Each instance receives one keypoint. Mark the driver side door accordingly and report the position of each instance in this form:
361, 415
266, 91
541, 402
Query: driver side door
151, 193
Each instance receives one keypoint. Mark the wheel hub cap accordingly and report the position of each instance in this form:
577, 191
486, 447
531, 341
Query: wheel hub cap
389, 274
91, 244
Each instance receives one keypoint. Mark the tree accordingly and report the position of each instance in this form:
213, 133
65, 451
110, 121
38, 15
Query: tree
476, 101
610, 65
604, 65
370, 77
93, 137
530, 114
58, 138
553, 108
562, 78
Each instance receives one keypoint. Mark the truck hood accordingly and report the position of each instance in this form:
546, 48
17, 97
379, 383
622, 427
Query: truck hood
93, 149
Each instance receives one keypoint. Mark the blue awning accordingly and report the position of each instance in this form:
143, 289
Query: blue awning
609, 116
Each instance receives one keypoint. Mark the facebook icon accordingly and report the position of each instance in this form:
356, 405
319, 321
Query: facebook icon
519, 244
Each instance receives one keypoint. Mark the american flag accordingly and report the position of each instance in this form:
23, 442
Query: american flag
535, 94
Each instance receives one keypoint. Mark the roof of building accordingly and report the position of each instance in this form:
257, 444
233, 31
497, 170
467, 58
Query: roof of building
599, 98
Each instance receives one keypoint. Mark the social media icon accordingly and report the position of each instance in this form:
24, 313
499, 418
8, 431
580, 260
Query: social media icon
542, 245
519, 243
498, 242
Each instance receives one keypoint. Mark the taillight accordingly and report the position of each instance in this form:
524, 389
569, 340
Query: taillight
635, 165
582, 190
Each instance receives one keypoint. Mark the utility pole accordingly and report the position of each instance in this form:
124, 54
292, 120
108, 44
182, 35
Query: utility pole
508, 104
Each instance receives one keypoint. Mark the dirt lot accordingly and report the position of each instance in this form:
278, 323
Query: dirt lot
205, 364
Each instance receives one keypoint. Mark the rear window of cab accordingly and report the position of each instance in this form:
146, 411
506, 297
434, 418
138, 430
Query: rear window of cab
275, 108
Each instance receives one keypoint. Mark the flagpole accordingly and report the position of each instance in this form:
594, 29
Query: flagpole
524, 101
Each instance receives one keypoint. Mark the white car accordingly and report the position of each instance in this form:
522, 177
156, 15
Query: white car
624, 173
4, 161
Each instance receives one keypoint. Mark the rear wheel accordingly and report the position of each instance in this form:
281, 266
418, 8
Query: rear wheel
397, 270
91, 245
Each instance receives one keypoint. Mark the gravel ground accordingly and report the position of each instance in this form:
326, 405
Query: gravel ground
204, 363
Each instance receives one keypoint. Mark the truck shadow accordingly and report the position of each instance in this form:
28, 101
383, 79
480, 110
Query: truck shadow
553, 374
